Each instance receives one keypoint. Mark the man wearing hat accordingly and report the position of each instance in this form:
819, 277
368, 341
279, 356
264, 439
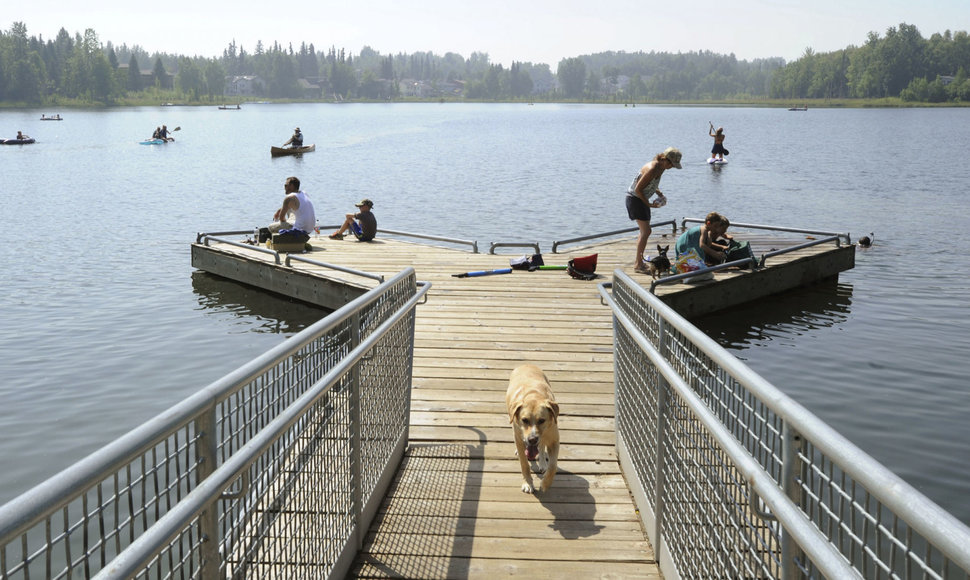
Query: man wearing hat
296, 140
363, 224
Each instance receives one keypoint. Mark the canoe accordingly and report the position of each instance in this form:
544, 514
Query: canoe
26, 141
154, 142
51, 119
280, 151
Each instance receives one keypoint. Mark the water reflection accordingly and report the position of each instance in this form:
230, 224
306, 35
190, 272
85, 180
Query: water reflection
791, 314
250, 309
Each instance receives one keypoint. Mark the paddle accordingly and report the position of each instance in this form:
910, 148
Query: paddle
483, 273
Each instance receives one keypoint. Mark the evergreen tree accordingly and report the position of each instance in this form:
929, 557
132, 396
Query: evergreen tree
134, 75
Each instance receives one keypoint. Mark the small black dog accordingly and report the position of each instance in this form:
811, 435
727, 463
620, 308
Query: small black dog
866, 241
660, 265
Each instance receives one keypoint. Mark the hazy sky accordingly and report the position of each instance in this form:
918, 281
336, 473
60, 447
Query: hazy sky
539, 31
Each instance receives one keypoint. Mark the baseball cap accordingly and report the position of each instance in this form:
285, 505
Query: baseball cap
673, 155
366, 202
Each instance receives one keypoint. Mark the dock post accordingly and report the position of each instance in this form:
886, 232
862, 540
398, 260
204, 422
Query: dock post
792, 447
356, 454
206, 449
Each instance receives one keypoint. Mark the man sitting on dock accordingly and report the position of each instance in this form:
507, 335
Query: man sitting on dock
363, 223
296, 213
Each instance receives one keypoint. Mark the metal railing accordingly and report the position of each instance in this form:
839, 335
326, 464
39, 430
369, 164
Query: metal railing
734, 479
205, 238
556, 244
752, 262
260, 474
687, 220
472, 243
495, 245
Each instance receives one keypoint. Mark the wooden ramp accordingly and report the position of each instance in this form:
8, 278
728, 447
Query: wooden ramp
455, 509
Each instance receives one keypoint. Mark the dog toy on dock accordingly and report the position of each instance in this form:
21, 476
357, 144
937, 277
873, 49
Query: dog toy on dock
483, 273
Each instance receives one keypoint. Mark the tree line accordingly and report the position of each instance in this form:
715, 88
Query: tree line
81, 68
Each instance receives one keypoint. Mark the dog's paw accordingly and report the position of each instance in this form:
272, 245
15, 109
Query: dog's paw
527, 488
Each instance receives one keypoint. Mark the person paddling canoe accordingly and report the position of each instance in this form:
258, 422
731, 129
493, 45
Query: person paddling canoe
296, 140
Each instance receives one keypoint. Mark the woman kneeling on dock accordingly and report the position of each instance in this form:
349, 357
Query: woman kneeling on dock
706, 239
638, 202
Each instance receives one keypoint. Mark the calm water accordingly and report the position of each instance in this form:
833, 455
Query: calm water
105, 324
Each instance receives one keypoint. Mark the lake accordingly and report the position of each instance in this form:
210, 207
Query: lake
105, 324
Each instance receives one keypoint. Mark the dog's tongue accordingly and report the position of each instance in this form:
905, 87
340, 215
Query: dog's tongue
532, 451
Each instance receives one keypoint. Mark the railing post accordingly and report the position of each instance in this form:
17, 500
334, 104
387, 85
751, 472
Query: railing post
792, 447
206, 449
662, 389
356, 491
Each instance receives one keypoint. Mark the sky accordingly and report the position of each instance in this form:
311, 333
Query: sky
537, 31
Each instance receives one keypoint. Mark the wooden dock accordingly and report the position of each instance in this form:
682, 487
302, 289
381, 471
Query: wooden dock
455, 509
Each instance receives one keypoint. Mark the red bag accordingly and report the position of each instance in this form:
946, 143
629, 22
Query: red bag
583, 268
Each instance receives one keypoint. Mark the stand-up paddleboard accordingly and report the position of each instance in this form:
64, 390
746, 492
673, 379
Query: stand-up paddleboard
715, 161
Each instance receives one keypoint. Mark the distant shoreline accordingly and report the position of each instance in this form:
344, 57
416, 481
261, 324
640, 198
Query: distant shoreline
885, 103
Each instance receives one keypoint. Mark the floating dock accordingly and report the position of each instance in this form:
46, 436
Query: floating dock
455, 509
337, 271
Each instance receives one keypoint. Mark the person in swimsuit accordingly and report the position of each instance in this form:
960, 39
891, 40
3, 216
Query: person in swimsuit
638, 202
718, 151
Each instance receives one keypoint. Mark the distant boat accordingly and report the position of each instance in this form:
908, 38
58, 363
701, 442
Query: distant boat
51, 118
797, 108
229, 108
281, 151
23, 141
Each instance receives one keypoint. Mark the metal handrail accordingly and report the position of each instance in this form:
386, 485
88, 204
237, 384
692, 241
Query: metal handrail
17, 515
940, 528
144, 548
472, 243
556, 244
205, 238
298, 258
837, 238
685, 275
533, 245
686, 220
828, 559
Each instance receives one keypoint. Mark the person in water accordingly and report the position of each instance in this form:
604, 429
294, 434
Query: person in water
718, 151
363, 223
638, 202
296, 213
296, 140
706, 240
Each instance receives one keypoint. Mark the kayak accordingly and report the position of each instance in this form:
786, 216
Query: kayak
280, 151
154, 142
26, 141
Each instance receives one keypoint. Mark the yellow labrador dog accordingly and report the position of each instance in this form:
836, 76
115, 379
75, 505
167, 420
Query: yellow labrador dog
534, 415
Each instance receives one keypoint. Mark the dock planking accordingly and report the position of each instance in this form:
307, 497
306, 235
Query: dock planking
455, 509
